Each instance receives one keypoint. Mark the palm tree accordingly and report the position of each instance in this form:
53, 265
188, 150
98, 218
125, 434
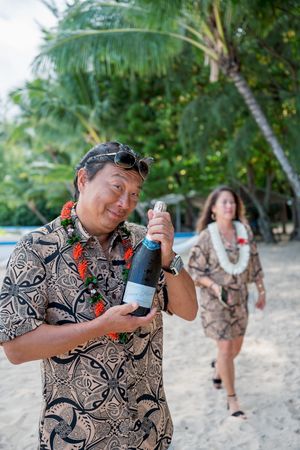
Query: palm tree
147, 36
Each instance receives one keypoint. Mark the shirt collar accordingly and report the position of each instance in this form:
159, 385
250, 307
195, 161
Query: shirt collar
80, 230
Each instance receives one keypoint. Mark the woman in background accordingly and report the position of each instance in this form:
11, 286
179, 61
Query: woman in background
221, 263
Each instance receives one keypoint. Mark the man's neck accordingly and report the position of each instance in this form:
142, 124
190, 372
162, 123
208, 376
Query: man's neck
102, 237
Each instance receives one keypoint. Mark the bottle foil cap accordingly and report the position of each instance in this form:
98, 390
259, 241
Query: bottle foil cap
160, 206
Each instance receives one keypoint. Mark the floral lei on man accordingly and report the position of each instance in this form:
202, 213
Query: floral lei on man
90, 281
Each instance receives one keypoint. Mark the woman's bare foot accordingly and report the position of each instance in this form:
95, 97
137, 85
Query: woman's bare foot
234, 407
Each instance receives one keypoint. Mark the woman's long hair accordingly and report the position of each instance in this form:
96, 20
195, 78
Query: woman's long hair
206, 216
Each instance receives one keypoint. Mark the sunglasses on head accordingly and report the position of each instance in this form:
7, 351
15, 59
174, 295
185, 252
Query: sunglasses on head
127, 160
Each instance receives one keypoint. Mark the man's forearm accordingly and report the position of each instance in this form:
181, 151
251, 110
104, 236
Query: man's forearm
49, 340
182, 295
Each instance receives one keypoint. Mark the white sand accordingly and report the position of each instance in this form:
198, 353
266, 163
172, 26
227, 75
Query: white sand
268, 376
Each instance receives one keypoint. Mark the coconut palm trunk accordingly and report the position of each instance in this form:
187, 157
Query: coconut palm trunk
236, 77
78, 45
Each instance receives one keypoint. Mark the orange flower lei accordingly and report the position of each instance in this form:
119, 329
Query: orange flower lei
90, 281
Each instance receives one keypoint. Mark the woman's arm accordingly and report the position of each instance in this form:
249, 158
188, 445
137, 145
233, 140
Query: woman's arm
261, 301
209, 284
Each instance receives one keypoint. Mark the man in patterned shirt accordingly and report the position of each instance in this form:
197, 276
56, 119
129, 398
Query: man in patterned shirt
102, 376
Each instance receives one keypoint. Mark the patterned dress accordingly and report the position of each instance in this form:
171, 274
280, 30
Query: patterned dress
101, 394
218, 321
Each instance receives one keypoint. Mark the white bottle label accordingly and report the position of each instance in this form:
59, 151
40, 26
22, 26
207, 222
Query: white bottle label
139, 293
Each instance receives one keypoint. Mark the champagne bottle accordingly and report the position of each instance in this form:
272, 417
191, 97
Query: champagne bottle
144, 272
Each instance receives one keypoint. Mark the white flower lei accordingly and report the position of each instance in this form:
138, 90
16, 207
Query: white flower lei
229, 267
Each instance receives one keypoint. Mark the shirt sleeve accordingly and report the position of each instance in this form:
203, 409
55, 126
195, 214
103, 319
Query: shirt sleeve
198, 264
23, 297
255, 271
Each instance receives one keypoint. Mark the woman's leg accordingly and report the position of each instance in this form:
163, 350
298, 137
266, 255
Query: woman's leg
227, 351
237, 345
225, 366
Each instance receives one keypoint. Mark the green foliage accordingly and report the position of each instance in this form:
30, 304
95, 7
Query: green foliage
82, 32
5, 215
151, 91
22, 216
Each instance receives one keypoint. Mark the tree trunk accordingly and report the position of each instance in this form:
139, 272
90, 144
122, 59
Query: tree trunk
265, 227
142, 212
267, 197
261, 120
264, 223
189, 214
296, 218
31, 205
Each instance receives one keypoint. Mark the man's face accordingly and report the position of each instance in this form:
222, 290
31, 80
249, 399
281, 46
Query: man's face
108, 198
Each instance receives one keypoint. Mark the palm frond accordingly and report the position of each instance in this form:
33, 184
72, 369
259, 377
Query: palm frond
107, 36
209, 119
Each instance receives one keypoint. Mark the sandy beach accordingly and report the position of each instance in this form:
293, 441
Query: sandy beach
268, 376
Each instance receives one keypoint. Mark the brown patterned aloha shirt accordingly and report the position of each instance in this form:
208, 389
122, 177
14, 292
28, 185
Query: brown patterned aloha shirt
103, 394
219, 322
